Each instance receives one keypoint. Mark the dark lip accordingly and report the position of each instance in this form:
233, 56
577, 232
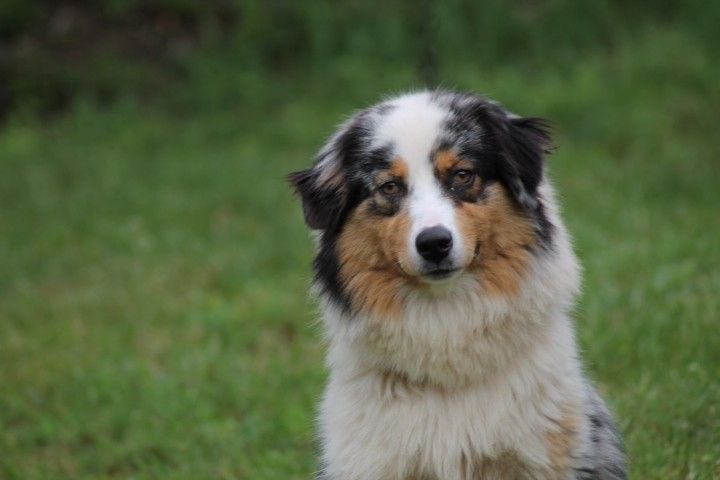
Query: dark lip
440, 273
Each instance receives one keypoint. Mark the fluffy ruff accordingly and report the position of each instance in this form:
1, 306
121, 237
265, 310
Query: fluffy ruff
458, 363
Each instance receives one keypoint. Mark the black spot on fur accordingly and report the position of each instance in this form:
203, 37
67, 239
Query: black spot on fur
543, 227
321, 474
371, 161
327, 272
604, 459
585, 474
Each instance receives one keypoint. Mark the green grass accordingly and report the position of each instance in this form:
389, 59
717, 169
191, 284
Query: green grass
154, 267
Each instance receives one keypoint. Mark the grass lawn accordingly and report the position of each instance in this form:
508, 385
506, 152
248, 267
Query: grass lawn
154, 266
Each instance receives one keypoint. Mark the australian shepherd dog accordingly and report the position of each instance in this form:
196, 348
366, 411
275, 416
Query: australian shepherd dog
446, 281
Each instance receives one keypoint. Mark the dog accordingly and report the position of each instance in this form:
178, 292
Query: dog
446, 279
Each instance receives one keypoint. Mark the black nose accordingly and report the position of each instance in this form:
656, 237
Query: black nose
434, 243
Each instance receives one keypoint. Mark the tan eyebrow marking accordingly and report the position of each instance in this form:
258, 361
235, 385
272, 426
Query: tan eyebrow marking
398, 171
399, 168
445, 160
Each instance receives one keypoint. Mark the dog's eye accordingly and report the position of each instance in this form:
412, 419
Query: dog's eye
462, 178
390, 188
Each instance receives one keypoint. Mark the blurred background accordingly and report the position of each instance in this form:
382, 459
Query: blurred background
154, 320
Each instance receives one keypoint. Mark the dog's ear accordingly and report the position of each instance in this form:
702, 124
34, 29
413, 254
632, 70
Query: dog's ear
323, 189
524, 143
322, 198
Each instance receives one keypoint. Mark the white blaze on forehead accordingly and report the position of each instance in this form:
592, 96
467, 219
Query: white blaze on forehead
412, 127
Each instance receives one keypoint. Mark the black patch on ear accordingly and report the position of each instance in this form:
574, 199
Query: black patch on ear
321, 205
526, 141
325, 189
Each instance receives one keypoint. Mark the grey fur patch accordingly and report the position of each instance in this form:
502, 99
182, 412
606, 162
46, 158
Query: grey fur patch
602, 457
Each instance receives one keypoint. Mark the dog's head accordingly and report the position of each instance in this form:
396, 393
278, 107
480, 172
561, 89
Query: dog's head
420, 190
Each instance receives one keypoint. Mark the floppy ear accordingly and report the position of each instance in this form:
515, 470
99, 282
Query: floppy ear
322, 200
323, 189
525, 142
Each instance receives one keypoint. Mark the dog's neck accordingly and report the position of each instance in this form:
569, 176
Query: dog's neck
449, 341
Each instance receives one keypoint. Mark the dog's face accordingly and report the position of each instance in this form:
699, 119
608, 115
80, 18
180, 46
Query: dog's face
423, 189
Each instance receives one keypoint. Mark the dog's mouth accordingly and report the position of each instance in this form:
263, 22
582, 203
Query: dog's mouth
432, 273
440, 274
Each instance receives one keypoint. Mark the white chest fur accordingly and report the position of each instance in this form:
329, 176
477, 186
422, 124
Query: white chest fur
378, 425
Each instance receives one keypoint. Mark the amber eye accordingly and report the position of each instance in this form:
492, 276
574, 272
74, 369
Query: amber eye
463, 178
390, 188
